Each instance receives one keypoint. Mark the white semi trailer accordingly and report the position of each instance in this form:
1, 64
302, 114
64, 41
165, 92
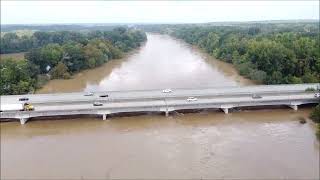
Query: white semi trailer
11, 107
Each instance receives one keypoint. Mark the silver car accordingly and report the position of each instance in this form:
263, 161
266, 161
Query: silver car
89, 94
192, 99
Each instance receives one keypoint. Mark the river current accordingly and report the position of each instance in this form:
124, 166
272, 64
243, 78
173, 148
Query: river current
247, 144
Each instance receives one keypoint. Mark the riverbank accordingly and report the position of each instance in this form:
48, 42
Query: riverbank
265, 56
227, 68
59, 59
153, 66
80, 80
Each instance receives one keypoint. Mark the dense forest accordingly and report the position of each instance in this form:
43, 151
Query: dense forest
59, 54
12, 42
273, 53
62, 27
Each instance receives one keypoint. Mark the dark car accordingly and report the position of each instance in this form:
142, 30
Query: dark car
104, 95
23, 99
97, 103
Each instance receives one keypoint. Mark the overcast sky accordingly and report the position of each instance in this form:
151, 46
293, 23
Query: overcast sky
50, 12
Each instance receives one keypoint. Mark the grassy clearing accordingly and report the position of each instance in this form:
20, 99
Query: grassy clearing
20, 33
15, 56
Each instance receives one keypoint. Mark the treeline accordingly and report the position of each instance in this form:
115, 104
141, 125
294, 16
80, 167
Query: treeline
61, 27
61, 56
315, 116
282, 54
11, 42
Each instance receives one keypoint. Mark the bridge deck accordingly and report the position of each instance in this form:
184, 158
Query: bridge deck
156, 100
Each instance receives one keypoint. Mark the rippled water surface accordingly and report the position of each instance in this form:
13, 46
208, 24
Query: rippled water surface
163, 62
200, 145
255, 144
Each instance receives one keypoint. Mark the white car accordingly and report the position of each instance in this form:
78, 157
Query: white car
317, 95
192, 99
167, 91
89, 94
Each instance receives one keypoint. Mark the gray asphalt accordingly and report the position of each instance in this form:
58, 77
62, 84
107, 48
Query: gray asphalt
123, 96
117, 99
54, 107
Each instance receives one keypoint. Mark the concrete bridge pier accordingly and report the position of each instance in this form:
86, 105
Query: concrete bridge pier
225, 110
294, 107
167, 113
104, 117
23, 120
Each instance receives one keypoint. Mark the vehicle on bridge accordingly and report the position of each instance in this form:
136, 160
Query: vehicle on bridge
97, 103
11, 107
167, 91
24, 99
104, 95
256, 96
89, 94
16, 107
192, 99
28, 107
317, 95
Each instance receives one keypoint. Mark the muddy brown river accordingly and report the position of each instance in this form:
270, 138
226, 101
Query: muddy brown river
247, 144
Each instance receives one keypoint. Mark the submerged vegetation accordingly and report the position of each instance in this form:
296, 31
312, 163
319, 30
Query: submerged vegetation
60, 54
315, 116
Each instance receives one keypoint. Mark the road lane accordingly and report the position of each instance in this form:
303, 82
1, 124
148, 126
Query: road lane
157, 94
163, 103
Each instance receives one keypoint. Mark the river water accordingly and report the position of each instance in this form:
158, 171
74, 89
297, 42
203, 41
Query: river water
248, 144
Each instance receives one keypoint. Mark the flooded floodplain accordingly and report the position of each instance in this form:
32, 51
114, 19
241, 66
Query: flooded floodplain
248, 144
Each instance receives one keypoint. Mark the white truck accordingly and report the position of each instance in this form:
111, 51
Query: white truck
16, 107
11, 107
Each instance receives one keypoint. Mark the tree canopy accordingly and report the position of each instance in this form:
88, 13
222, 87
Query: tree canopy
60, 54
267, 53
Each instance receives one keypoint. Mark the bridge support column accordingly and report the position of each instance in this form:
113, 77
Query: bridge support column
225, 110
23, 120
167, 113
104, 117
294, 107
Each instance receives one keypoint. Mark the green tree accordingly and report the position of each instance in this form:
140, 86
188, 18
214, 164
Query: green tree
17, 77
73, 56
60, 71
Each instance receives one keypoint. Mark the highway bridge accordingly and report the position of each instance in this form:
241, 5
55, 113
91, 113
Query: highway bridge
224, 98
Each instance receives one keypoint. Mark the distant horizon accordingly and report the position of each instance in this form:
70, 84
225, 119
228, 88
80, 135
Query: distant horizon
155, 23
154, 12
